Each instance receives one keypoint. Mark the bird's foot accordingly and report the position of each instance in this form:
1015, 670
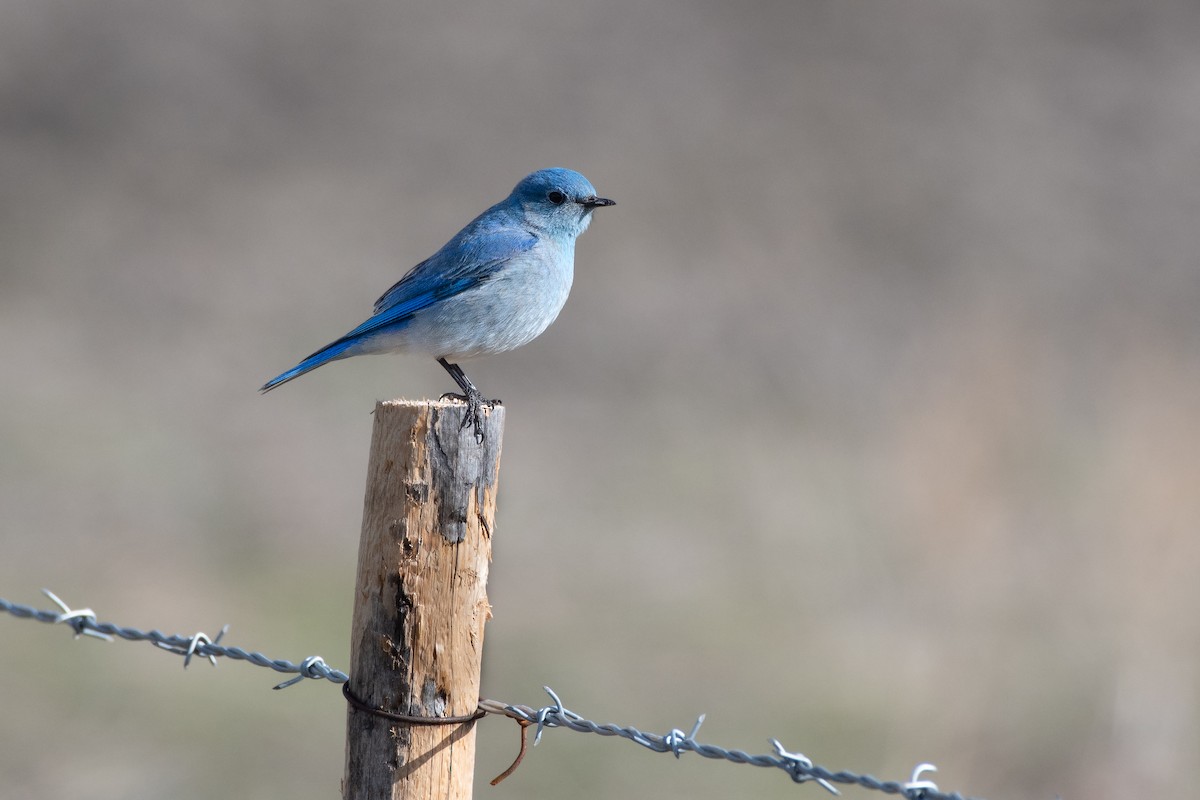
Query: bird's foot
472, 419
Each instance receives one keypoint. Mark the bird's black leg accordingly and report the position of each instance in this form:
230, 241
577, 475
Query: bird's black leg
471, 396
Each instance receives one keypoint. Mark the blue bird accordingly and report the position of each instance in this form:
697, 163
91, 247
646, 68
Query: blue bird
497, 284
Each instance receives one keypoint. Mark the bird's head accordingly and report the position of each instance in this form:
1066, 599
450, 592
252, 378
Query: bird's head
559, 201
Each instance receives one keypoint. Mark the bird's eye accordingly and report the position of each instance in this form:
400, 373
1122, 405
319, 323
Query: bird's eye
556, 197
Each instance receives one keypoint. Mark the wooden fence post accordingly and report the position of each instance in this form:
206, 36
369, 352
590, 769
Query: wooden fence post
420, 600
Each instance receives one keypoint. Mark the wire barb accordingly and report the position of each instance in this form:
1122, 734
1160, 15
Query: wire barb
311, 667
544, 714
676, 738
81, 621
800, 767
198, 643
918, 789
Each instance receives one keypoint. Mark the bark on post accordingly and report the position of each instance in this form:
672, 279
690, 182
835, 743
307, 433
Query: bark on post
420, 600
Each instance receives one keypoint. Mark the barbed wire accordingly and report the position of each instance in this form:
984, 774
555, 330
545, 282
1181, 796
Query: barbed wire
798, 766
84, 623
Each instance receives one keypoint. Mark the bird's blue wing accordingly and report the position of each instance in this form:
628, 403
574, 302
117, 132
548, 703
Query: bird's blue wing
468, 260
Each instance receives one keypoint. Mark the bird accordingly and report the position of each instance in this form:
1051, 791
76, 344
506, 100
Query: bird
496, 285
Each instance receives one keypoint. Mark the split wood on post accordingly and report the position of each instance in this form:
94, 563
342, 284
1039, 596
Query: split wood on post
420, 600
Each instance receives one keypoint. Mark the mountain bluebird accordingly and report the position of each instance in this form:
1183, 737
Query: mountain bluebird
496, 285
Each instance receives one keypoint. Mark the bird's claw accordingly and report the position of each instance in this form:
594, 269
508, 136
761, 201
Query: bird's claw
472, 419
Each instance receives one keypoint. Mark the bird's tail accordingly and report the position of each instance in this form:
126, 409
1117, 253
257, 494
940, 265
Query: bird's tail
330, 352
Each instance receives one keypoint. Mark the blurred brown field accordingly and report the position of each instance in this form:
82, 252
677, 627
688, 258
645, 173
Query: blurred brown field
871, 425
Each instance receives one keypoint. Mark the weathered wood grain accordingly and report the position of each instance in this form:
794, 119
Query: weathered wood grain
421, 602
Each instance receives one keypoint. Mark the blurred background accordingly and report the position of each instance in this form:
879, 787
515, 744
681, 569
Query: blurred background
871, 424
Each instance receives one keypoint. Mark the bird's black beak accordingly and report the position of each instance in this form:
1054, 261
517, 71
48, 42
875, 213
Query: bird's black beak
596, 202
